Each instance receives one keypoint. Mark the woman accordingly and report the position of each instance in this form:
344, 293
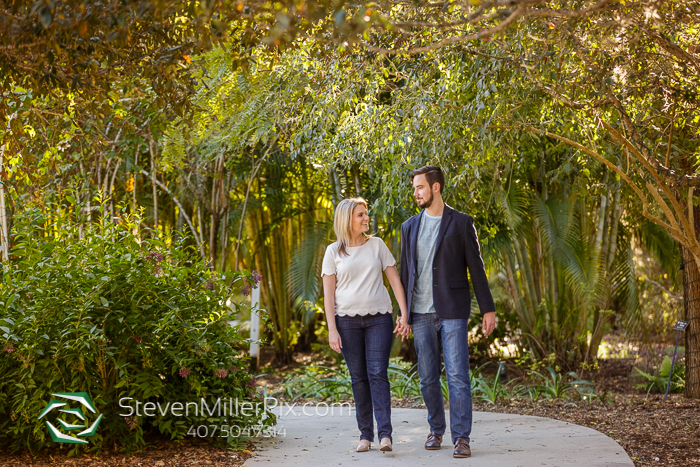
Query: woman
358, 311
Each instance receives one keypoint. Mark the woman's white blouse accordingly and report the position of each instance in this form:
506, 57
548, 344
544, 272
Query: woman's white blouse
359, 285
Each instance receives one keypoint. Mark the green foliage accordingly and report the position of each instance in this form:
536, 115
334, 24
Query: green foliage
301, 129
554, 385
403, 379
657, 382
489, 390
319, 382
116, 317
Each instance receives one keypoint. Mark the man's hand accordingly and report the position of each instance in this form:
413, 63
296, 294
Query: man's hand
402, 328
489, 323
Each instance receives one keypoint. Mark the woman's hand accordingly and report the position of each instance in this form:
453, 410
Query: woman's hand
329, 302
334, 340
402, 328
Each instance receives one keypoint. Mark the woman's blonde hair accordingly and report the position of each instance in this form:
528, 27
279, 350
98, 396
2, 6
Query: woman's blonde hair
342, 223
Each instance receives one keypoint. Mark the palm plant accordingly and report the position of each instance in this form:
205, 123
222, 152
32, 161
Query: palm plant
490, 391
404, 380
288, 229
560, 266
554, 385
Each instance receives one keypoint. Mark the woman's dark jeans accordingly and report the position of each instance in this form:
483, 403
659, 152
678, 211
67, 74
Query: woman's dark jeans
366, 342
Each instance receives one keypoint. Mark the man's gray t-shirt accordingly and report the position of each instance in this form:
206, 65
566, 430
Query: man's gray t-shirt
427, 237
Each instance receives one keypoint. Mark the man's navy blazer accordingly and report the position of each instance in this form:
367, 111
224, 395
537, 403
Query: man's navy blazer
456, 251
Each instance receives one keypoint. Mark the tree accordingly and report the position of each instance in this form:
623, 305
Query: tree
594, 69
631, 78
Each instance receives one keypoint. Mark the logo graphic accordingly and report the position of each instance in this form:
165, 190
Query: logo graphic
60, 437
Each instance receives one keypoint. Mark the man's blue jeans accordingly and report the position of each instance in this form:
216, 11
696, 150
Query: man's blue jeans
366, 344
455, 348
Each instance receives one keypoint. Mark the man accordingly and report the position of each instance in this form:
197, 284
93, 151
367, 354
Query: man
438, 246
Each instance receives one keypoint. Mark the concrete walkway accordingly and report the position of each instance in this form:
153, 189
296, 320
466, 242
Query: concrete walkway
311, 438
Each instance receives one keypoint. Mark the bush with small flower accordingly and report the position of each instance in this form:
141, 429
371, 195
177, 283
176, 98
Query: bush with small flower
116, 317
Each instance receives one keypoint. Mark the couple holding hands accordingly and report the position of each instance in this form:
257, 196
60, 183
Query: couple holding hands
438, 246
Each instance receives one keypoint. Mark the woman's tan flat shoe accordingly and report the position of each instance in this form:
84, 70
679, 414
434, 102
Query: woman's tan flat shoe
385, 445
363, 446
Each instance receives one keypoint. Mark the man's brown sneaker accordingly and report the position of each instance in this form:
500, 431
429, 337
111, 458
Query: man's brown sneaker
462, 448
433, 442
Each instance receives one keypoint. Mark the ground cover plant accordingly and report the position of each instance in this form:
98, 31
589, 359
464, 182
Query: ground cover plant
658, 380
321, 382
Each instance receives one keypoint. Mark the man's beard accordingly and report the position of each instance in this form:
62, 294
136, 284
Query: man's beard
426, 203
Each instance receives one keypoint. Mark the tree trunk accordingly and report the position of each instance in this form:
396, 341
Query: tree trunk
4, 230
180, 221
356, 177
111, 188
691, 307
153, 183
605, 261
336, 194
133, 191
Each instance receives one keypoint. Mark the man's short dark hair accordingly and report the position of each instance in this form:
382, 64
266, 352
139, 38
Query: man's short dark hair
433, 174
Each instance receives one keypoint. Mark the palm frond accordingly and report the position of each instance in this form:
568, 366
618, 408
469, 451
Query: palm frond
303, 279
555, 217
513, 204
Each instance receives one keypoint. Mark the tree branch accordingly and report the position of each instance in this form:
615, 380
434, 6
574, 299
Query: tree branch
200, 246
563, 99
689, 242
256, 167
517, 13
591, 152
573, 13
672, 48
670, 294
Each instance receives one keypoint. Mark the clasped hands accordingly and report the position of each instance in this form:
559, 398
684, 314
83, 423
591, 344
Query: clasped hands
402, 328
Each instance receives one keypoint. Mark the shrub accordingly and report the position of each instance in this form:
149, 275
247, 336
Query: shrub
115, 317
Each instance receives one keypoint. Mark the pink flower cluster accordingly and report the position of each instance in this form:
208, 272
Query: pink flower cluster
136, 338
132, 422
253, 381
257, 277
9, 348
184, 372
155, 257
222, 373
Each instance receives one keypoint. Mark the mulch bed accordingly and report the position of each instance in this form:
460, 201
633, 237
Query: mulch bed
190, 452
653, 433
